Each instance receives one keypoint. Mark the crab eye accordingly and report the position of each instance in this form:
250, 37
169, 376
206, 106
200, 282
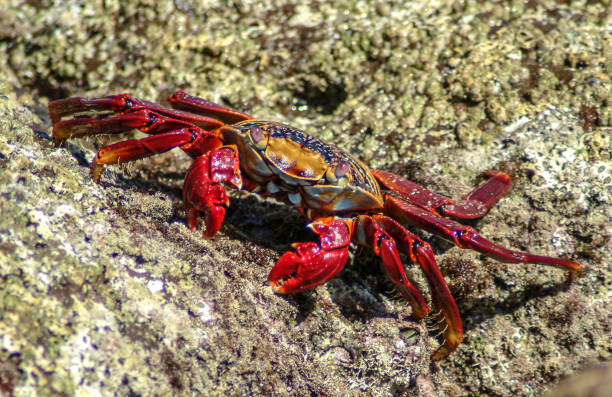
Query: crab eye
341, 169
337, 176
256, 134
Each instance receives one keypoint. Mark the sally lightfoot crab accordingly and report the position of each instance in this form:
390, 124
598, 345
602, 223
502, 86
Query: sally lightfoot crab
340, 196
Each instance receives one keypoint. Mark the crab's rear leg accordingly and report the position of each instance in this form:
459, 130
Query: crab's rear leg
369, 233
474, 205
420, 252
196, 105
465, 236
131, 113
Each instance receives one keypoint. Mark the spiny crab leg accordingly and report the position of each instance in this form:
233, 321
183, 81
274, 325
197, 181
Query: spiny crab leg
474, 205
369, 233
195, 105
136, 149
420, 252
144, 120
466, 236
125, 103
70, 106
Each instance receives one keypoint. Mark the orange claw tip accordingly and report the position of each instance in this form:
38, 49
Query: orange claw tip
277, 288
574, 270
574, 267
564, 264
452, 339
443, 351
60, 133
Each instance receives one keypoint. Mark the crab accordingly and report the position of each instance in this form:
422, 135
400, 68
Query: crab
342, 198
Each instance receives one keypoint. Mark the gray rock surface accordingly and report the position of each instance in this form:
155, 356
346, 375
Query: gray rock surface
104, 290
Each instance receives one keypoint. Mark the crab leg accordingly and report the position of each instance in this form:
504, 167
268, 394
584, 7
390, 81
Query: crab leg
465, 236
312, 264
115, 103
145, 120
203, 190
200, 106
168, 133
170, 128
122, 104
369, 233
474, 205
136, 149
420, 252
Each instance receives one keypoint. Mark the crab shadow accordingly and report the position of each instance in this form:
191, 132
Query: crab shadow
119, 180
483, 309
77, 152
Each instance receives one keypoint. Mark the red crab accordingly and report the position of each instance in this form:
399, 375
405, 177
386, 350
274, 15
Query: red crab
339, 195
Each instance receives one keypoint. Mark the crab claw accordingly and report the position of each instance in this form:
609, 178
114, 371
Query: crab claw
213, 208
312, 264
203, 191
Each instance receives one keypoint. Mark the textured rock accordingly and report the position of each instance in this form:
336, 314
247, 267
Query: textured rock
104, 290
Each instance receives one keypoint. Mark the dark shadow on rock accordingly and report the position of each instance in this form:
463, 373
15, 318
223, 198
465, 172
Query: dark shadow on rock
140, 185
77, 152
516, 300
